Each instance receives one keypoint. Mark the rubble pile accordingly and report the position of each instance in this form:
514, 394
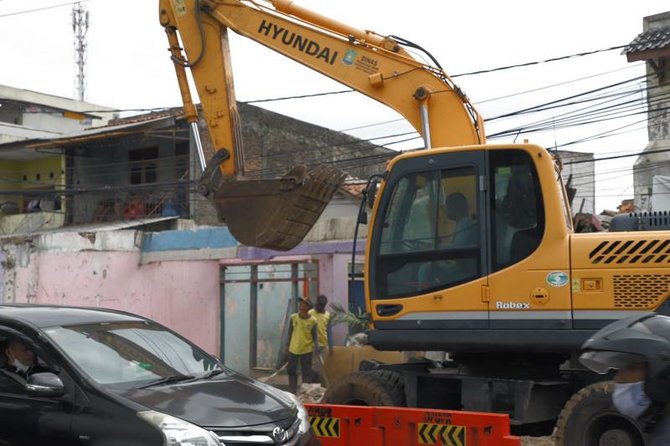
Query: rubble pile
311, 393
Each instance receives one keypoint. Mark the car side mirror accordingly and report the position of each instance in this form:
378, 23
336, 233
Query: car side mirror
45, 384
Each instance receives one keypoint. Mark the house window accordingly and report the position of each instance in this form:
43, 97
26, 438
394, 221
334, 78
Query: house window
143, 165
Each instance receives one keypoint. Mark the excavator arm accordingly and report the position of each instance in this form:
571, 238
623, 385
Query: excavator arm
278, 213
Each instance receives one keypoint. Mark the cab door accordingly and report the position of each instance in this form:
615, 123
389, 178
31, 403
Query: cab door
428, 256
529, 281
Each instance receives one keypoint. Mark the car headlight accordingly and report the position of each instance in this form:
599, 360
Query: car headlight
302, 413
179, 432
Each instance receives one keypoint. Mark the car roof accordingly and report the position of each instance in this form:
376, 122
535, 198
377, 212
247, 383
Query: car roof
54, 315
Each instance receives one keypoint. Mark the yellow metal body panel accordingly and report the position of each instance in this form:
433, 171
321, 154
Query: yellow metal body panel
465, 297
620, 271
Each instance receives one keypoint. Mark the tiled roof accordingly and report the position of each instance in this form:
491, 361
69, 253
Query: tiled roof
176, 112
354, 189
653, 39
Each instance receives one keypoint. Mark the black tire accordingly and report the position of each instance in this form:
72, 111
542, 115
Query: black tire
374, 388
394, 383
590, 419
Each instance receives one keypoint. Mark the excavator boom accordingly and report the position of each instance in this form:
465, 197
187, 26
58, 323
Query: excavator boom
278, 213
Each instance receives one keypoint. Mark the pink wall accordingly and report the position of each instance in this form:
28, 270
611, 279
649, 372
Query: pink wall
182, 295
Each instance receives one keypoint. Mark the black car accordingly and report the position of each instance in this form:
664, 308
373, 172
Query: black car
108, 378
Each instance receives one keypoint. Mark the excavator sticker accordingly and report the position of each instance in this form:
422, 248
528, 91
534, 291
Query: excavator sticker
179, 7
349, 57
557, 279
576, 286
367, 65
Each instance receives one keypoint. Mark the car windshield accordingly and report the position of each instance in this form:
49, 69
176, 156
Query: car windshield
133, 352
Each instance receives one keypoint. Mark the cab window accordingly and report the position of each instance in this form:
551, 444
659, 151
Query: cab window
430, 236
518, 210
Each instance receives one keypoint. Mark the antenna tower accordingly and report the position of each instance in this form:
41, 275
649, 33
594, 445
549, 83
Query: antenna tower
80, 28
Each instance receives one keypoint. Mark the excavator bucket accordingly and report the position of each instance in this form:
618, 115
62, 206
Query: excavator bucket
275, 214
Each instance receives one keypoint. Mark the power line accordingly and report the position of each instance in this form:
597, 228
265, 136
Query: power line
574, 121
538, 62
606, 112
559, 84
542, 106
302, 96
28, 11
472, 73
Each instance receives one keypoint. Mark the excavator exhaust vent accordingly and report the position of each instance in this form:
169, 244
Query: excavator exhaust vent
631, 251
640, 291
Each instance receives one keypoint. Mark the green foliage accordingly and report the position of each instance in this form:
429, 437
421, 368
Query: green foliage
355, 320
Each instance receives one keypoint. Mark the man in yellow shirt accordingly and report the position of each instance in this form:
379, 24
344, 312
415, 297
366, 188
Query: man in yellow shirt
302, 342
324, 332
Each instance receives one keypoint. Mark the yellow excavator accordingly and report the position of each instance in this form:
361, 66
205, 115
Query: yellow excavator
470, 246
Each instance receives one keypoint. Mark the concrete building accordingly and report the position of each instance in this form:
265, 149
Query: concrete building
579, 173
181, 268
28, 175
653, 46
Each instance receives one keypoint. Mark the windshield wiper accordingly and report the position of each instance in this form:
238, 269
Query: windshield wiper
166, 380
211, 374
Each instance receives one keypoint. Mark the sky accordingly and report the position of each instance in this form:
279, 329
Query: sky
128, 67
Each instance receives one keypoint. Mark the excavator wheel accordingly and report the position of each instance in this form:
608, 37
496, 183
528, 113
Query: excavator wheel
373, 388
590, 419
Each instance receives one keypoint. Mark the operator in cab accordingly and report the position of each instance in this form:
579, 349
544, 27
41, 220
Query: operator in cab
638, 349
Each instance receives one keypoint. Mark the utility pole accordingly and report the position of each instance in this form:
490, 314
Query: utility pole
80, 28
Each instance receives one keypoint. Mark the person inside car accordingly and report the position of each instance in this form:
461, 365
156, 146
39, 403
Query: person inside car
21, 360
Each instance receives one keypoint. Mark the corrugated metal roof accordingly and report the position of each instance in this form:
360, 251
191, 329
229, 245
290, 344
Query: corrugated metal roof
98, 133
97, 227
653, 39
48, 141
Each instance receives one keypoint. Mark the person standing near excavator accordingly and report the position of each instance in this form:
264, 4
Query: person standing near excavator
324, 334
638, 348
302, 343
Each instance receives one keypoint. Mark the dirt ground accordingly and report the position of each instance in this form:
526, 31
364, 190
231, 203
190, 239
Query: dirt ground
537, 441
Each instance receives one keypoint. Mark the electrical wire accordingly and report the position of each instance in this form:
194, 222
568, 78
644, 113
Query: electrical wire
559, 84
538, 62
302, 96
292, 153
29, 11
